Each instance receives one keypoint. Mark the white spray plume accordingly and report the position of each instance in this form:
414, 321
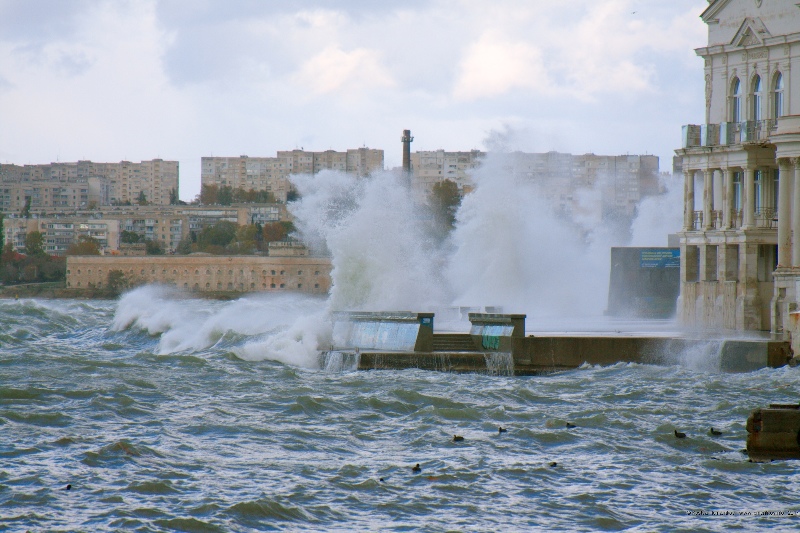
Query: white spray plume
381, 257
513, 250
658, 216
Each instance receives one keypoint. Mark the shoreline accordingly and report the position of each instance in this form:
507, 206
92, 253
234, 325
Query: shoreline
49, 291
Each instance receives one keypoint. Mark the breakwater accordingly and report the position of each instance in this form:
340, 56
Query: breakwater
497, 343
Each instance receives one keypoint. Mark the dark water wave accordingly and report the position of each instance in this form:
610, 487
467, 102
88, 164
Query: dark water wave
202, 440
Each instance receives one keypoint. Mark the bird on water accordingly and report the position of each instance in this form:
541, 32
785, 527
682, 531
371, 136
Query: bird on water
501, 430
457, 438
553, 464
714, 432
416, 468
570, 426
680, 435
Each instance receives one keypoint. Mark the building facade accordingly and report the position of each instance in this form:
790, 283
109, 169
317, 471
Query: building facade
167, 225
204, 273
86, 184
272, 173
740, 243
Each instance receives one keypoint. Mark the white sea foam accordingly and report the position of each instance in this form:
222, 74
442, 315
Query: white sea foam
189, 325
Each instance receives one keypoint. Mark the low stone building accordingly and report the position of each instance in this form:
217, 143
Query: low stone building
203, 273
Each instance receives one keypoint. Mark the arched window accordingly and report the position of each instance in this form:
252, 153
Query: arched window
736, 101
778, 109
757, 98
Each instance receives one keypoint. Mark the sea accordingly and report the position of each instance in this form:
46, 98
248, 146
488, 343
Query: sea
159, 412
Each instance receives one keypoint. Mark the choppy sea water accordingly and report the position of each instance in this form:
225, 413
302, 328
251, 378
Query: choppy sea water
171, 421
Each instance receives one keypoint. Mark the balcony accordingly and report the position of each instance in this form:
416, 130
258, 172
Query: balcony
727, 133
766, 218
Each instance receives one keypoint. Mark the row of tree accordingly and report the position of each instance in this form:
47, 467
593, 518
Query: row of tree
230, 238
227, 195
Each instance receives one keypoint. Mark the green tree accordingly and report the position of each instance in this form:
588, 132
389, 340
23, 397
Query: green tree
117, 281
445, 198
84, 246
292, 195
153, 247
129, 237
225, 195
184, 247
141, 199
220, 234
26, 211
2, 236
209, 194
9, 255
247, 239
274, 231
34, 244
173, 196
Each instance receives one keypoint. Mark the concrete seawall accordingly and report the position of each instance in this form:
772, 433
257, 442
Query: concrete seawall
496, 345
538, 355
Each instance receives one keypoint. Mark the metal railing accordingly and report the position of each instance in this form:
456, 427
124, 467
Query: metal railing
766, 217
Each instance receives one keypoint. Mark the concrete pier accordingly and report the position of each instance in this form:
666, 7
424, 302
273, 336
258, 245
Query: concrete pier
496, 345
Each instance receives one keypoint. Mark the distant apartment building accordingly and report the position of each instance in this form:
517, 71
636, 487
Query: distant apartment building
272, 173
431, 167
59, 233
87, 184
620, 181
166, 225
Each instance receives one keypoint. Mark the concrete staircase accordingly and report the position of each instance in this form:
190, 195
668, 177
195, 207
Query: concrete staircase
453, 342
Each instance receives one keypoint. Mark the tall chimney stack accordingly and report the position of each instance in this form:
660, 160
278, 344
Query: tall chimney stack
407, 138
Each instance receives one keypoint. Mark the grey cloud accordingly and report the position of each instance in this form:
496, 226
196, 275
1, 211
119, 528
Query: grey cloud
40, 20
209, 45
73, 64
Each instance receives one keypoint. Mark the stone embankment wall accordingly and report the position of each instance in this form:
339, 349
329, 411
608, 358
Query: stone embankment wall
202, 273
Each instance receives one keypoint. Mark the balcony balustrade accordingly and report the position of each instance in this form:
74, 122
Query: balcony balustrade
727, 133
765, 217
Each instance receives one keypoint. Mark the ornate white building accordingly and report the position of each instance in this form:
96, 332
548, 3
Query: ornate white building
740, 244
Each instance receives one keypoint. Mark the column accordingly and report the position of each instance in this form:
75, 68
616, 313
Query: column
784, 215
688, 199
796, 215
727, 201
748, 198
708, 198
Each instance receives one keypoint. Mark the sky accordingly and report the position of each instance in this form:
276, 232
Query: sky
112, 80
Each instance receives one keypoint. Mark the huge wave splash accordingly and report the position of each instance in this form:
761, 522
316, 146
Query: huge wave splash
510, 247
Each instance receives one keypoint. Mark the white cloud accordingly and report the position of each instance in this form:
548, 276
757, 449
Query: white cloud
334, 69
492, 66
